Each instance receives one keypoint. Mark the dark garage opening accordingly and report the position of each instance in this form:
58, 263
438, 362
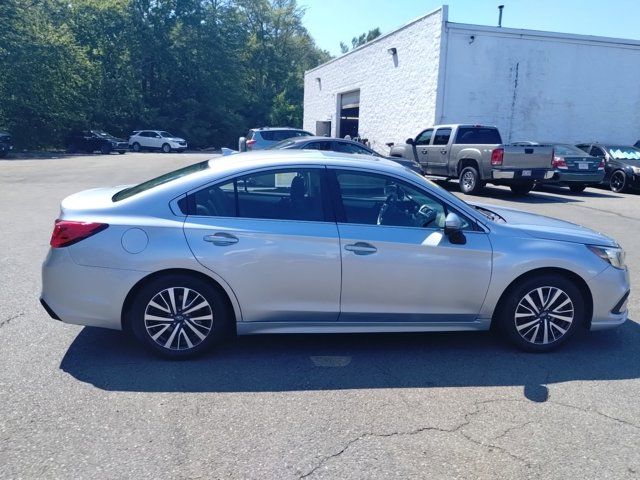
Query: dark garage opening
349, 114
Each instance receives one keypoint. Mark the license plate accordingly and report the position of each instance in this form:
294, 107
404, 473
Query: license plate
526, 173
583, 166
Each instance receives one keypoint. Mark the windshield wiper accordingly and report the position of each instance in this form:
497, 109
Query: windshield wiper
489, 214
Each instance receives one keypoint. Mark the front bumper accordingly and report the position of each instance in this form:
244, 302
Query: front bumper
92, 296
608, 290
634, 181
522, 174
561, 176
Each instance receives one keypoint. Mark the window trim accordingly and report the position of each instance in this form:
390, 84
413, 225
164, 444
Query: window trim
435, 134
327, 208
340, 215
430, 138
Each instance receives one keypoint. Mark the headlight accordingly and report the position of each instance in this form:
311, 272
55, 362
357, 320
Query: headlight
613, 255
636, 170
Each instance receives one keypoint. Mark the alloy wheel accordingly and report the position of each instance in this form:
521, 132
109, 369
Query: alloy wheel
178, 318
544, 315
617, 181
468, 180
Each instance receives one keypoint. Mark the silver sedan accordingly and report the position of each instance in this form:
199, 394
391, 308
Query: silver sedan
320, 242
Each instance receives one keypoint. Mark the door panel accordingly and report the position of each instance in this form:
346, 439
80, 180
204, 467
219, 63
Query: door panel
279, 270
438, 152
413, 275
397, 264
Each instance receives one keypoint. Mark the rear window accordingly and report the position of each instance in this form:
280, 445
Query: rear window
161, 180
279, 135
568, 150
478, 135
280, 145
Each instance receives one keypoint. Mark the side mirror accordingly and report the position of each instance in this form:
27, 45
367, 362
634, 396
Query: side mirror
409, 141
453, 229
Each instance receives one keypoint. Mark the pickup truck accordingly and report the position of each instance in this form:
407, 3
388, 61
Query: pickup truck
476, 156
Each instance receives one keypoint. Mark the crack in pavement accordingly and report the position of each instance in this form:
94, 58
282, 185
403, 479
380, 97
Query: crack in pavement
7, 320
467, 420
468, 417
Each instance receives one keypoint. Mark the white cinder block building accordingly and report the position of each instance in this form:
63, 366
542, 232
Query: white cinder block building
532, 85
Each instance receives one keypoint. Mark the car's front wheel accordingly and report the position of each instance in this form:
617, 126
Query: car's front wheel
105, 149
542, 313
180, 316
166, 148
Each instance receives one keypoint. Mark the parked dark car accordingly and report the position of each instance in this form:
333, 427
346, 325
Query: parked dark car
95, 140
572, 167
621, 164
5, 144
338, 145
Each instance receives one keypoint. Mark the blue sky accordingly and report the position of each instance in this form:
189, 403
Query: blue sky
332, 21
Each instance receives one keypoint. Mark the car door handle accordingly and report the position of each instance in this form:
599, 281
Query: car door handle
361, 248
221, 239
425, 151
443, 152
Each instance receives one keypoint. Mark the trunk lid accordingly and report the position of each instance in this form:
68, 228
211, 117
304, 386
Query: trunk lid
581, 164
95, 199
527, 157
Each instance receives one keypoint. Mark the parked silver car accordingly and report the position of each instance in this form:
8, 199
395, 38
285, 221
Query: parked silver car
261, 138
299, 241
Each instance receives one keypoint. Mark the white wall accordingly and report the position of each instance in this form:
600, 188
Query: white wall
542, 86
397, 99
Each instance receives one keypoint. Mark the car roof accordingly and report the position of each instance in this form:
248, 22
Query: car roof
272, 129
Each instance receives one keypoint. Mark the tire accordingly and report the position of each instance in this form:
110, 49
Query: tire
135, 147
561, 318
181, 335
166, 148
470, 182
618, 181
122, 152
577, 188
522, 188
4, 153
105, 149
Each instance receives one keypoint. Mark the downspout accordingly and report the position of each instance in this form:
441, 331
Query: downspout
442, 67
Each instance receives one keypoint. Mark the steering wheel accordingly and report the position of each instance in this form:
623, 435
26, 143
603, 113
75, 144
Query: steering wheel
426, 215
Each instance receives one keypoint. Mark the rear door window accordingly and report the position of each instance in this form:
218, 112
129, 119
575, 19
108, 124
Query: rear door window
478, 135
596, 152
442, 136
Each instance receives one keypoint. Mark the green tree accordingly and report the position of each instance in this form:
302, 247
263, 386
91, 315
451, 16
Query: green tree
360, 40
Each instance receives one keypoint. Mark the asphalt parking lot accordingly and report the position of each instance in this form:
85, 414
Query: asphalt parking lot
80, 402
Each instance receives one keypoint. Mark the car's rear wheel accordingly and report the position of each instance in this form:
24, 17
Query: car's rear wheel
180, 316
136, 147
542, 313
166, 148
470, 182
618, 181
577, 188
522, 188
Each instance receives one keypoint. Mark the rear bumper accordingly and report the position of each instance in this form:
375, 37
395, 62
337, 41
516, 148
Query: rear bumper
92, 296
610, 291
560, 176
522, 174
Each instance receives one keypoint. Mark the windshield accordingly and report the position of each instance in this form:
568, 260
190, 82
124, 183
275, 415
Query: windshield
280, 145
103, 134
161, 180
568, 150
624, 153
166, 135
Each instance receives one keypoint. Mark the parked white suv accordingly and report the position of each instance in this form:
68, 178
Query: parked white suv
156, 140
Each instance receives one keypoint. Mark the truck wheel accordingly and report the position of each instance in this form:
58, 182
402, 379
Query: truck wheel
470, 182
522, 188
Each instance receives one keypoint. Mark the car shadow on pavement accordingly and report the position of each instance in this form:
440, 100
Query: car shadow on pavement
274, 363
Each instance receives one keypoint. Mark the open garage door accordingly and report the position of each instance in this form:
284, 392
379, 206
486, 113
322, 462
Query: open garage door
349, 114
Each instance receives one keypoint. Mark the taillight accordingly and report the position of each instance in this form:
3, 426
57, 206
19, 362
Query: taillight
601, 164
250, 143
558, 162
497, 155
67, 233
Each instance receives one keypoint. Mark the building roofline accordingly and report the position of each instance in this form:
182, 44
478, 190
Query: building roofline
444, 9
522, 32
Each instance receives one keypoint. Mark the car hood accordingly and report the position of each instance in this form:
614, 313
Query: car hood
548, 228
175, 139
